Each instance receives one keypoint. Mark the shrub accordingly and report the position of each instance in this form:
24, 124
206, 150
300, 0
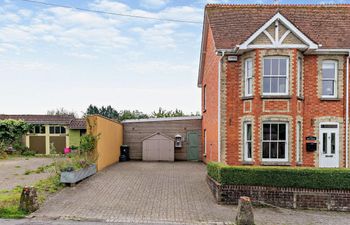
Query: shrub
315, 178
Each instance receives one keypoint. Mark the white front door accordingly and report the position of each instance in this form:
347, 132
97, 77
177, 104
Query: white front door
329, 145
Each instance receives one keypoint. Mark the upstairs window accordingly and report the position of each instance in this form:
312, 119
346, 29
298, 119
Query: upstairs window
57, 130
329, 79
300, 77
275, 77
248, 77
205, 98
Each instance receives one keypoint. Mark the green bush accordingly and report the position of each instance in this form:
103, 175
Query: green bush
303, 177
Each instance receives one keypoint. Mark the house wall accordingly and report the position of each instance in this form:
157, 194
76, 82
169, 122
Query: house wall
74, 138
310, 109
110, 139
210, 114
135, 132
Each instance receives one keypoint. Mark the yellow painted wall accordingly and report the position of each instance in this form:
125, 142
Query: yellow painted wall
110, 140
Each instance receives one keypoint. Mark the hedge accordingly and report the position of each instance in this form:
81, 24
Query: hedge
315, 178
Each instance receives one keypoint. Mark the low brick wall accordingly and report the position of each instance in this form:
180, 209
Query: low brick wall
295, 198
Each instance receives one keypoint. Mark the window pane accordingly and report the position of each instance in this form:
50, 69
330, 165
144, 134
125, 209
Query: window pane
249, 132
249, 150
282, 132
52, 130
328, 73
333, 143
282, 85
274, 66
266, 147
266, 131
37, 129
324, 144
266, 85
274, 150
63, 130
43, 129
328, 87
283, 67
274, 85
281, 150
267, 66
274, 130
249, 86
57, 130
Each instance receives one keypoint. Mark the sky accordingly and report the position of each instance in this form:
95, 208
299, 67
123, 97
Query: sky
52, 57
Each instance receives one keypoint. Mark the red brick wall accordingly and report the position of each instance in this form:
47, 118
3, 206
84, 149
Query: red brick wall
309, 109
210, 116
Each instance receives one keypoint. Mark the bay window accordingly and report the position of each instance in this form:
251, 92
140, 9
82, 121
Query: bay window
275, 76
248, 77
247, 155
275, 144
329, 79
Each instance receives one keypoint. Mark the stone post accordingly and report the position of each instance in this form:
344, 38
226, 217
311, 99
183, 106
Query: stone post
29, 200
245, 214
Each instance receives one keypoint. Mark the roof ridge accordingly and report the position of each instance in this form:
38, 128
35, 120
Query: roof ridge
333, 5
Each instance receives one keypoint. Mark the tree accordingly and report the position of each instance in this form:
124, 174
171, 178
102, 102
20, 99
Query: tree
12, 131
129, 115
108, 111
162, 113
61, 112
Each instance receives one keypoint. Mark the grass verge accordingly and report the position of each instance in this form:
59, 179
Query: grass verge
9, 199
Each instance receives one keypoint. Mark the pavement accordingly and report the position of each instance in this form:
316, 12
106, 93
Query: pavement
12, 171
157, 193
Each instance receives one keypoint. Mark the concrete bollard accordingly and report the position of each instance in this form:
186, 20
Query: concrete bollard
29, 200
245, 214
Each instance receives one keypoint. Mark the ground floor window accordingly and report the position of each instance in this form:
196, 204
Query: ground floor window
247, 141
275, 144
298, 144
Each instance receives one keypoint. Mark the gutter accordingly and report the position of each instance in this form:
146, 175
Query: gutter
347, 113
219, 104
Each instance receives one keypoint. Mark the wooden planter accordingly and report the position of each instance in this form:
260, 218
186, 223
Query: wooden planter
76, 176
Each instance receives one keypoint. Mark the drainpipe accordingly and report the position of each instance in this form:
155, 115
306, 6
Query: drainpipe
219, 105
347, 114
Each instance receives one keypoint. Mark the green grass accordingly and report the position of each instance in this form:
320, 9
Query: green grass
40, 169
9, 199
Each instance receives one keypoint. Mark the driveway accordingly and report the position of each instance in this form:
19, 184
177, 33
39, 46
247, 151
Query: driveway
12, 172
153, 192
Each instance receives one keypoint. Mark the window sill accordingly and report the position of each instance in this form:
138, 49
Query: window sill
275, 97
247, 97
247, 163
276, 164
329, 99
299, 163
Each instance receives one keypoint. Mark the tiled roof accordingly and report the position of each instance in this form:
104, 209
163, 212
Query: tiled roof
328, 25
40, 119
77, 124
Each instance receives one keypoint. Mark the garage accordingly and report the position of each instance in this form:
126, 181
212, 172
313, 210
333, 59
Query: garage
158, 147
184, 132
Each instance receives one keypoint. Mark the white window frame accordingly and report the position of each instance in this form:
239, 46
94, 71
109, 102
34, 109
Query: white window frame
246, 141
287, 143
298, 142
299, 77
335, 80
248, 77
287, 75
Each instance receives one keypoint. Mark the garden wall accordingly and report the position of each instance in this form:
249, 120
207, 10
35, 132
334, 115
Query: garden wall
295, 198
110, 139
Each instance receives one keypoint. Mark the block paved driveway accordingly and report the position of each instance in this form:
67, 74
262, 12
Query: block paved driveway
159, 193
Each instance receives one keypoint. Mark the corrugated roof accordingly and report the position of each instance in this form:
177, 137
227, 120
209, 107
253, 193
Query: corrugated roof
163, 119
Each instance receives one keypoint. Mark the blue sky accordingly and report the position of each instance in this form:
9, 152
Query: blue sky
54, 57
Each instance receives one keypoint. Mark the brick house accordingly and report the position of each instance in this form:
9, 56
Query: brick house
275, 88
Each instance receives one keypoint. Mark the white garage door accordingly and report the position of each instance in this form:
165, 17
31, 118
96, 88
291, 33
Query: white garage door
158, 147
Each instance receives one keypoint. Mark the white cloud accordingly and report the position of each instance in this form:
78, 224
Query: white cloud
154, 3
